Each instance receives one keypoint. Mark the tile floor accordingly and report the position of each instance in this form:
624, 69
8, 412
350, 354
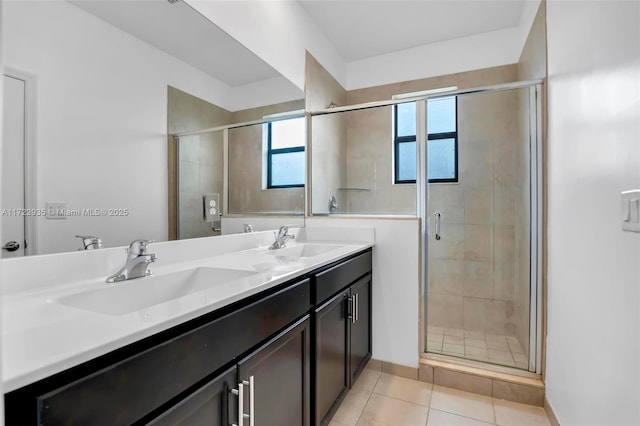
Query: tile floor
497, 349
383, 399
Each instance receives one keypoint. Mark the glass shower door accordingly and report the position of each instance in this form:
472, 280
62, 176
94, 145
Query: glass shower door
479, 205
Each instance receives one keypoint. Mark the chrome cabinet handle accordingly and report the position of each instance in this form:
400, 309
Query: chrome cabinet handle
251, 401
351, 312
357, 306
240, 394
437, 225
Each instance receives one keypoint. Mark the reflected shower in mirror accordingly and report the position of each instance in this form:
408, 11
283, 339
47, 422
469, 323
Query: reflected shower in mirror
96, 144
200, 205
267, 168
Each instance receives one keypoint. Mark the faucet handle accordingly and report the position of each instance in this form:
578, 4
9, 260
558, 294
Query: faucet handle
142, 246
90, 242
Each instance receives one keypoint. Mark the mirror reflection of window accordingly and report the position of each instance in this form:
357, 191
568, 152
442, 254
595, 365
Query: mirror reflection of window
285, 159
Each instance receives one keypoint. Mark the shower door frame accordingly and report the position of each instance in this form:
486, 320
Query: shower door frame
536, 229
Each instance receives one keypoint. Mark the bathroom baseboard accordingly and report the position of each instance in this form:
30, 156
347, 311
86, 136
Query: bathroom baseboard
553, 419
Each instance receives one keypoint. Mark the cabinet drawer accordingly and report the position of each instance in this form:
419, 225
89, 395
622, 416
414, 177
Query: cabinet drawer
124, 392
329, 282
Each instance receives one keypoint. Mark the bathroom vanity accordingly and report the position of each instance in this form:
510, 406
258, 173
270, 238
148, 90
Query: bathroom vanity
277, 347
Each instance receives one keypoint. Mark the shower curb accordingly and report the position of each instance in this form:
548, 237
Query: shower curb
525, 388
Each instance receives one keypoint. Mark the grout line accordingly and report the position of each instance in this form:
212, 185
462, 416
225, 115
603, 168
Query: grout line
462, 415
493, 405
365, 404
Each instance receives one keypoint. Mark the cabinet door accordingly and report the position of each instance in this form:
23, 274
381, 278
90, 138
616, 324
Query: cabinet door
277, 379
360, 336
330, 367
211, 405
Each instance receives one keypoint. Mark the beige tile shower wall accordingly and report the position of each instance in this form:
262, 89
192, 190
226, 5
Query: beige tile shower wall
246, 192
245, 115
370, 166
188, 113
328, 137
370, 135
472, 268
532, 65
198, 160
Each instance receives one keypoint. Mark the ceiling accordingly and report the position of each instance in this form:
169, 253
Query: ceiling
358, 29
182, 32
364, 28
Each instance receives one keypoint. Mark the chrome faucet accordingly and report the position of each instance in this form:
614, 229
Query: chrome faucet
282, 237
137, 262
89, 242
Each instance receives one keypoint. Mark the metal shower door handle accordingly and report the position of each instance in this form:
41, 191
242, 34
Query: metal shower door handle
437, 215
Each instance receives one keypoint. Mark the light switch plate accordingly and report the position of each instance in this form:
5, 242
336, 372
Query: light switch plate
56, 210
631, 210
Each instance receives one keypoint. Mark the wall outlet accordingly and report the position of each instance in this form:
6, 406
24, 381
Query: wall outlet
211, 205
56, 210
631, 210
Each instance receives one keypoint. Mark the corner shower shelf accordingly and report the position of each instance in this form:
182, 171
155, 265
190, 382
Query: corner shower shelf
354, 189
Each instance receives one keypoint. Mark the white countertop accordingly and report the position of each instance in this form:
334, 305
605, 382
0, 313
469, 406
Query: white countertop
42, 337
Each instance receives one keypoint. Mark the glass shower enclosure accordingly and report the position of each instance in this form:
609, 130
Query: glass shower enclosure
481, 241
467, 163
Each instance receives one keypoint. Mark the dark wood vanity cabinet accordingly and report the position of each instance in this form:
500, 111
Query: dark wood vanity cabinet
211, 405
360, 327
342, 333
295, 356
278, 376
279, 368
331, 351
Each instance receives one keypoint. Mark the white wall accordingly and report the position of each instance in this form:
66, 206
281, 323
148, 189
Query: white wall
276, 31
593, 342
1, 145
101, 119
447, 57
396, 284
265, 92
501, 47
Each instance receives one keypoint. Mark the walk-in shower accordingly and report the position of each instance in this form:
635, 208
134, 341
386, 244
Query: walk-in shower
482, 230
466, 163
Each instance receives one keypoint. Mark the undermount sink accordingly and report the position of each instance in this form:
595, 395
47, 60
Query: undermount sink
303, 250
134, 295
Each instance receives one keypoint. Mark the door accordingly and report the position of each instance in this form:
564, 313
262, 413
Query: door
211, 405
276, 379
13, 137
360, 336
480, 242
330, 367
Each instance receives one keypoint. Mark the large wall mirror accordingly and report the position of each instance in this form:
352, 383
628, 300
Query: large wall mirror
95, 92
